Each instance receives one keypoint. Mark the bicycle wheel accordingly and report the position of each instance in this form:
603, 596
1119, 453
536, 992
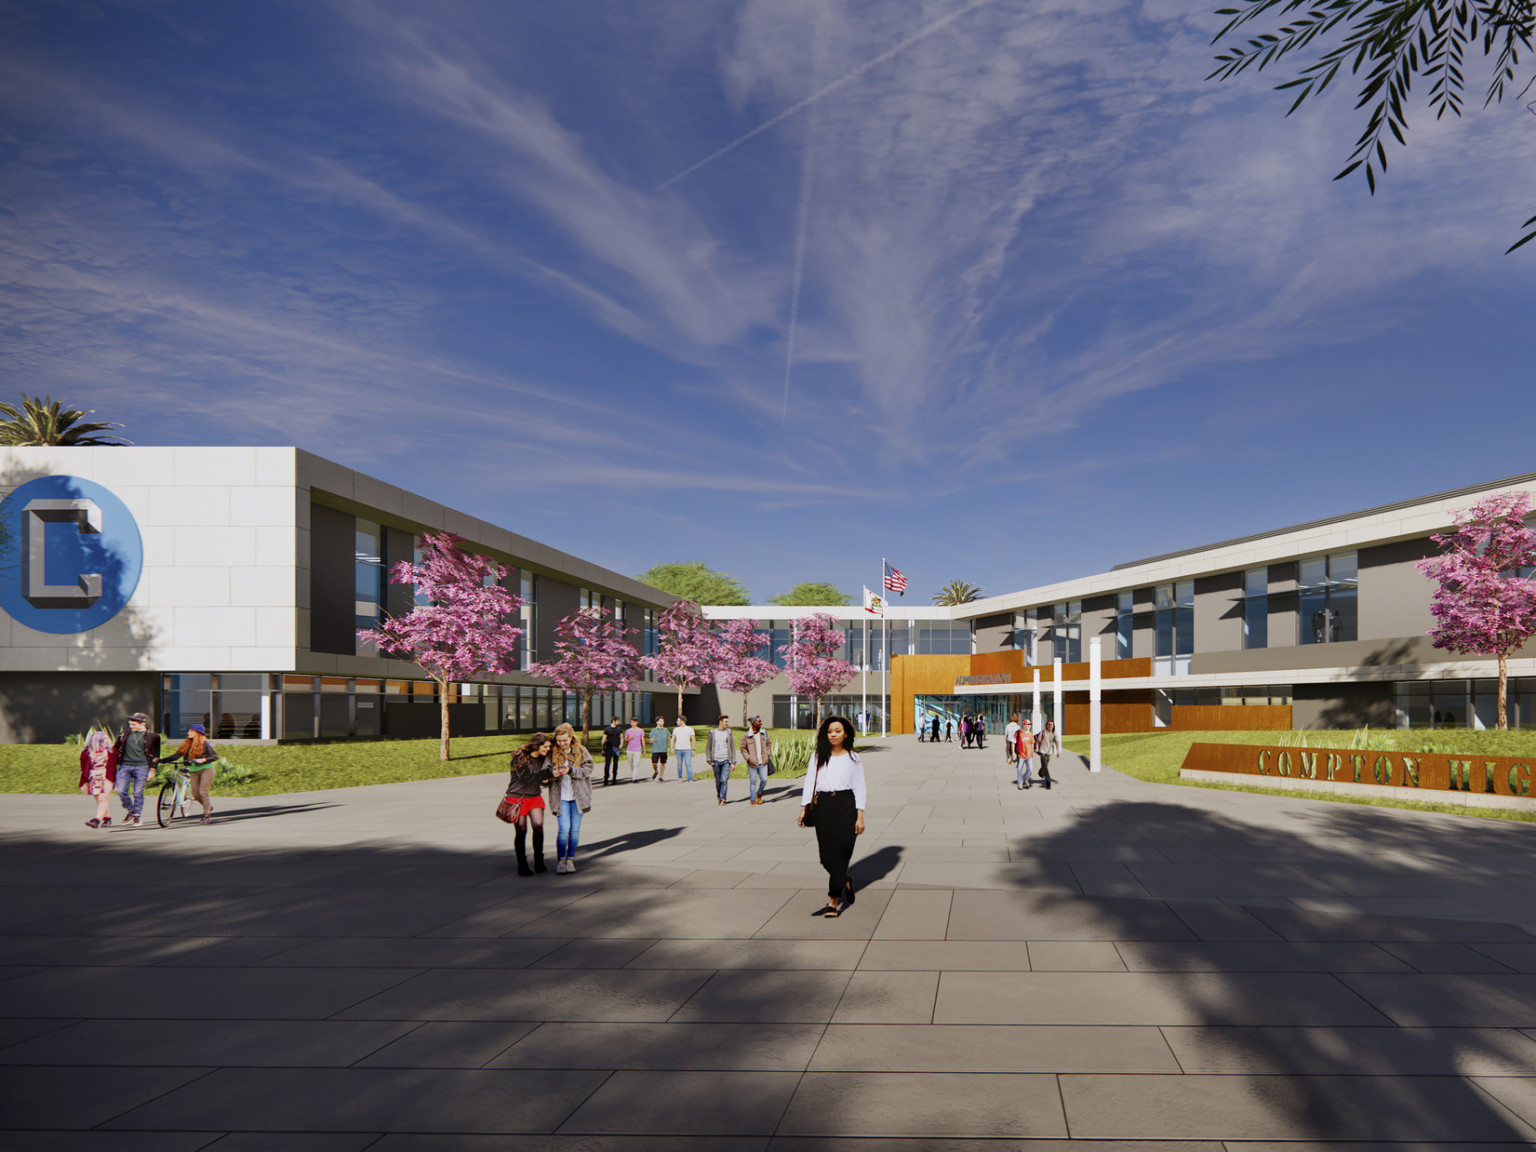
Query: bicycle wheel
165, 806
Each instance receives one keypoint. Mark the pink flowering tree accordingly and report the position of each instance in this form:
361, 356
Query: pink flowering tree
1486, 602
811, 663
741, 667
594, 657
459, 628
688, 649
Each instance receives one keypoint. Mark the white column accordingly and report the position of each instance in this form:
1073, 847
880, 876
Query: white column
1095, 695
1034, 706
266, 715
1061, 716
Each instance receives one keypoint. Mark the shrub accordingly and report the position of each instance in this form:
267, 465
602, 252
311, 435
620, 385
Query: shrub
791, 755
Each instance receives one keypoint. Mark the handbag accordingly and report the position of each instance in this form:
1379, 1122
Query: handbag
505, 810
809, 817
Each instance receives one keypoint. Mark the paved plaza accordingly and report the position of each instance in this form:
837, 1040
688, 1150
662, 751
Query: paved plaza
1108, 965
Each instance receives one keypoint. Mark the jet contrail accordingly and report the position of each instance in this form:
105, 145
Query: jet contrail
794, 296
917, 37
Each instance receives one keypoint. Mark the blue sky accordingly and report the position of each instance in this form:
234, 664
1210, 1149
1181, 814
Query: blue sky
1004, 291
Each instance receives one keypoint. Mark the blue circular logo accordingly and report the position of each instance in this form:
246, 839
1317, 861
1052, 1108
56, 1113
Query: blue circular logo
70, 555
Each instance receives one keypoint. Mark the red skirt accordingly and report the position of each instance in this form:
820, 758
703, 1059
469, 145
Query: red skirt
522, 805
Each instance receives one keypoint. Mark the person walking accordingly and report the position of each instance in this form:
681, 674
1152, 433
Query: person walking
529, 773
757, 750
1026, 751
634, 744
202, 760
979, 731
1046, 746
720, 751
570, 793
138, 755
683, 738
98, 775
1010, 738
949, 731
661, 740
965, 732
935, 730
613, 739
835, 783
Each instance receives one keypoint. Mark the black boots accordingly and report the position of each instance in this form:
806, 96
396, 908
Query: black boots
538, 850
520, 839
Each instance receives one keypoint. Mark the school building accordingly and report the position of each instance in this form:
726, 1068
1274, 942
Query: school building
226, 586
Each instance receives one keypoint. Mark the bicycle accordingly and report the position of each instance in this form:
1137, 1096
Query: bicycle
175, 795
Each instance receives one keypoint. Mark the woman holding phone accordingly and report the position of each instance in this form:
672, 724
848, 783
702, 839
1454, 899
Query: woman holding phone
570, 793
834, 786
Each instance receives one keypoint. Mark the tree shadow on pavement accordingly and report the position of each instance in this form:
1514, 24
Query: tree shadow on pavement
1310, 995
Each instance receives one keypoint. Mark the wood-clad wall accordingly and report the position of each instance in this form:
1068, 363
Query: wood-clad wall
1231, 718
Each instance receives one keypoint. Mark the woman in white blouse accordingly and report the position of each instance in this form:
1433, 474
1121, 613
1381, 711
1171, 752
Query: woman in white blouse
836, 782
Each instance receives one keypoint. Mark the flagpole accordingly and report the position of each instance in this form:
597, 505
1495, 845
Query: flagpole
864, 675
885, 665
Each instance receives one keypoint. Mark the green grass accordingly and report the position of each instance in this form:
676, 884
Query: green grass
1157, 756
55, 768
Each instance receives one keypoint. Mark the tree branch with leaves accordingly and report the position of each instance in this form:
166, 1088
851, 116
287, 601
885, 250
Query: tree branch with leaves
1485, 604
461, 630
594, 657
741, 667
1390, 43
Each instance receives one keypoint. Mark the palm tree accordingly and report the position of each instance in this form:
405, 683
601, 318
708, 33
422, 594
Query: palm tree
956, 592
45, 421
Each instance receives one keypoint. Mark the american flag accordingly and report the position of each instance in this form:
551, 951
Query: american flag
895, 581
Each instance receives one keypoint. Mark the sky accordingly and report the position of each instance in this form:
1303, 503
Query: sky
1003, 290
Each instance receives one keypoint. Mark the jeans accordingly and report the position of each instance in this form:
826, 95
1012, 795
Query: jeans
568, 835
1023, 770
130, 787
757, 779
685, 762
610, 764
722, 776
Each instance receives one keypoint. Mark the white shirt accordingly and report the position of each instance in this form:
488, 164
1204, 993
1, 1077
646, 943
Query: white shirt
840, 774
1010, 732
682, 738
565, 788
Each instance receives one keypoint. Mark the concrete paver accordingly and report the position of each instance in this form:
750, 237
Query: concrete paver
1108, 965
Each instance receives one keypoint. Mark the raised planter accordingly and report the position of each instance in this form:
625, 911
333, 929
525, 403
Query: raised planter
1434, 777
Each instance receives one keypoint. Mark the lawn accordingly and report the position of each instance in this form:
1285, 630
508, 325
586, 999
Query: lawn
1156, 756
307, 767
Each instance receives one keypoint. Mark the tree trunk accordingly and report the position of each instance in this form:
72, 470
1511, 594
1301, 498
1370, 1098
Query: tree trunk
679, 702
1503, 688
818, 713
442, 695
744, 710
586, 715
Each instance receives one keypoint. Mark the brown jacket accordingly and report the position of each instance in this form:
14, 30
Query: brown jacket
757, 748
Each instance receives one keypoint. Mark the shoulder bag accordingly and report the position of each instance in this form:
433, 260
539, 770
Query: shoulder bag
505, 809
810, 809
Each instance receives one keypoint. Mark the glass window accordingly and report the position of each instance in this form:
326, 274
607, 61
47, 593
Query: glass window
237, 702
368, 580
1067, 631
1256, 608
1125, 623
188, 701
1328, 599
529, 617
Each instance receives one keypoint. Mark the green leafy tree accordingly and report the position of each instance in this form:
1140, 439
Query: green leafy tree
1391, 43
812, 595
956, 592
45, 421
694, 581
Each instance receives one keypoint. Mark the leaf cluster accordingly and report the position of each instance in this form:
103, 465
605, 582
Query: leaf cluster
956, 592
1389, 44
812, 595
693, 580
41, 421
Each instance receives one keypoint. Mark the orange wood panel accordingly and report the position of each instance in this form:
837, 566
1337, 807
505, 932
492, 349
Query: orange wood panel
1231, 718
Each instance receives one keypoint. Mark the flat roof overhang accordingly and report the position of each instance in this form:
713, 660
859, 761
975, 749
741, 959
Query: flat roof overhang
1375, 674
